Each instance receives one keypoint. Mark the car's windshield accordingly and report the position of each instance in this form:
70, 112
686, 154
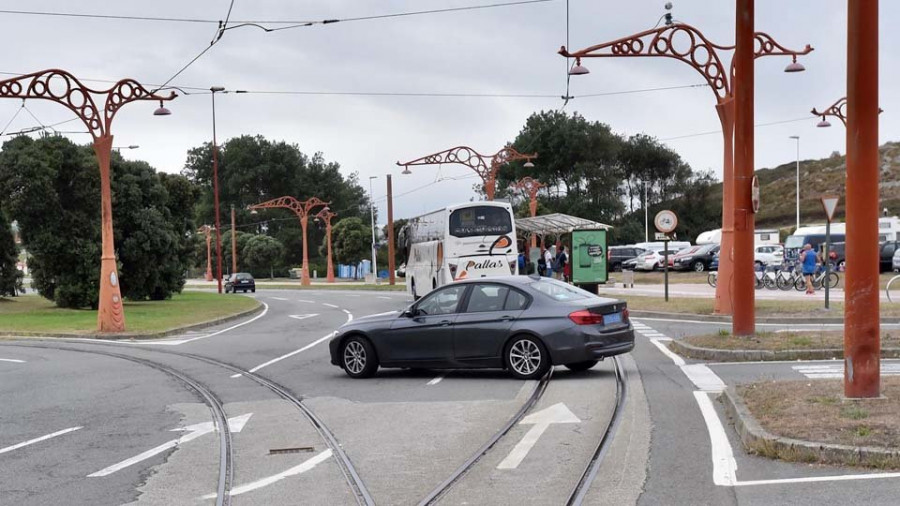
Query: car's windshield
560, 291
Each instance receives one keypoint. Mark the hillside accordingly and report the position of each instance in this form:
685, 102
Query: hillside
817, 178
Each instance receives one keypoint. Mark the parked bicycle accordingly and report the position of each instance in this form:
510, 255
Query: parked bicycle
818, 280
713, 277
787, 276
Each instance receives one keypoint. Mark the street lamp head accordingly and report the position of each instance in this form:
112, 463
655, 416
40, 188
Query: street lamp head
795, 66
578, 69
824, 123
406, 171
797, 137
373, 177
214, 89
528, 165
162, 111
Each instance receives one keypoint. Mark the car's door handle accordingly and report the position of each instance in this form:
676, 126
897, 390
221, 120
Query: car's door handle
446, 323
507, 318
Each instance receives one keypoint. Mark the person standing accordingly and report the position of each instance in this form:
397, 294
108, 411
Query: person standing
562, 258
548, 261
808, 259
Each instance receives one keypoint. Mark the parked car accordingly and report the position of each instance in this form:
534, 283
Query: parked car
896, 261
630, 265
242, 281
838, 255
524, 324
616, 255
886, 255
697, 259
401, 271
652, 260
768, 254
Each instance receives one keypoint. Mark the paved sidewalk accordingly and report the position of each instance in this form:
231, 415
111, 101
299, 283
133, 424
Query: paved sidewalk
706, 291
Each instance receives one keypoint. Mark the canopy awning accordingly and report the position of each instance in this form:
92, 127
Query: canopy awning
556, 224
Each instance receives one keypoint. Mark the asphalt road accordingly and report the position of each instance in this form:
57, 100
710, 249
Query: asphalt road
81, 427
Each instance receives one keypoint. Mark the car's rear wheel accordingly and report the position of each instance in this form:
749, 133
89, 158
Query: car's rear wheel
253, 290
698, 266
582, 366
526, 358
358, 358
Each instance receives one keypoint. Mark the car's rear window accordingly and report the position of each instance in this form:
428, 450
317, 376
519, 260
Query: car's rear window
242, 275
557, 290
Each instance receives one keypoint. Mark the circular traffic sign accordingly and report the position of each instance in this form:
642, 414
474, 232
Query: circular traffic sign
665, 221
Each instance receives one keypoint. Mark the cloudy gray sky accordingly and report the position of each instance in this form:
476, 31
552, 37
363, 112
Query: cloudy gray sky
504, 51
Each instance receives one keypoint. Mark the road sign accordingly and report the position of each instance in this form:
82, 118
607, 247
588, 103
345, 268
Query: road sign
557, 413
754, 194
662, 236
829, 202
665, 221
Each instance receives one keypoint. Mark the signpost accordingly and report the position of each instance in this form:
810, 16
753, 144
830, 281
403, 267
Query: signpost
829, 202
665, 221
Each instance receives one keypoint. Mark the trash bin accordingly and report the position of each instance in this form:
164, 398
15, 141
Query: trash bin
627, 279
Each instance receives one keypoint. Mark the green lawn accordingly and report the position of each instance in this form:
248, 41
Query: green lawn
32, 313
764, 307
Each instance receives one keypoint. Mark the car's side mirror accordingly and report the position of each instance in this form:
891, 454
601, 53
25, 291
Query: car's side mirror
408, 313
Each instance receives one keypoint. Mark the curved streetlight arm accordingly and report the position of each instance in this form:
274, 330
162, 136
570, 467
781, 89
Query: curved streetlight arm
64, 88
837, 110
701, 53
530, 186
300, 208
485, 166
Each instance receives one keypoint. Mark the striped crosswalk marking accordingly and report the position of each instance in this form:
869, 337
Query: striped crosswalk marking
836, 371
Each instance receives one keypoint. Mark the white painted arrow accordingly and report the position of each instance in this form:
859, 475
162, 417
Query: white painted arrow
557, 413
301, 316
235, 425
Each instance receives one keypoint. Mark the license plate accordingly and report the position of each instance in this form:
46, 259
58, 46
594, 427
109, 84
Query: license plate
612, 318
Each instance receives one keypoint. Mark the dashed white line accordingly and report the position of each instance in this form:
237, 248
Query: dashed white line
278, 298
306, 301
38, 439
383, 297
300, 469
437, 380
724, 465
13, 360
329, 305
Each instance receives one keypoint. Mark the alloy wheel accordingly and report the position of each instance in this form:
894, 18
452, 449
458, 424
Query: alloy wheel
354, 357
525, 357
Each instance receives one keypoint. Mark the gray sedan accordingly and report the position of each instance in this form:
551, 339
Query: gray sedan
523, 324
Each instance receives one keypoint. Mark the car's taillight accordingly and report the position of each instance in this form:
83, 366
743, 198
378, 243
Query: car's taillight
625, 315
585, 317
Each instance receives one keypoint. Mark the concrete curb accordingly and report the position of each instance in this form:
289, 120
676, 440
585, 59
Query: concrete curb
758, 441
717, 355
156, 335
727, 319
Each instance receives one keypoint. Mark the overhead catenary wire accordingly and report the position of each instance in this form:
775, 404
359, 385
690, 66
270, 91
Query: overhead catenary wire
714, 132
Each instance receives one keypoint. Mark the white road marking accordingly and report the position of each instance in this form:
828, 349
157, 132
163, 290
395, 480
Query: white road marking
703, 377
300, 469
13, 360
287, 355
302, 316
176, 342
235, 424
306, 301
329, 305
435, 381
724, 465
383, 297
826, 371
557, 413
351, 295
38, 439
278, 298
349, 315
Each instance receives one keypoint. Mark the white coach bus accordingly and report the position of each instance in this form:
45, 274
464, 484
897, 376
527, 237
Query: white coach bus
463, 241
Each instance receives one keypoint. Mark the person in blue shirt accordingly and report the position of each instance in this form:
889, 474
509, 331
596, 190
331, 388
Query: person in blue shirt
809, 259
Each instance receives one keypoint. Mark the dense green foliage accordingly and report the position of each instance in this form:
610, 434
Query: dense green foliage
262, 253
51, 186
10, 276
253, 169
351, 240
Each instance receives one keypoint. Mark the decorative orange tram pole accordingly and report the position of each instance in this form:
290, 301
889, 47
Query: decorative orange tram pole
687, 44
63, 88
326, 215
206, 230
486, 166
862, 340
302, 210
531, 187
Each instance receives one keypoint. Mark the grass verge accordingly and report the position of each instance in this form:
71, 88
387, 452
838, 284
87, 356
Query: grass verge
764, 307
32, 313
781, 341
817, 411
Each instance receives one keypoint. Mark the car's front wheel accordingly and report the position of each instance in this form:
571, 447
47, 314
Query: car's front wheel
581, 366
358, 358
526, 358
698, 266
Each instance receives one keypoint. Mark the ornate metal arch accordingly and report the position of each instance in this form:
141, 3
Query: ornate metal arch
530, 186
300, 208
64, 88
484, 165
837, 109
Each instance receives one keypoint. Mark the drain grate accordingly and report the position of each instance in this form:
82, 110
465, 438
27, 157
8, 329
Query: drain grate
298, 449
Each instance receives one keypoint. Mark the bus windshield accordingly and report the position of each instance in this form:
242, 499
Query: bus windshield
794, 241
480, 220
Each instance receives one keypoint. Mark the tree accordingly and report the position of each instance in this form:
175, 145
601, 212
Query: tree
10, 275
261, 252
51, 187
241, 239
351, 240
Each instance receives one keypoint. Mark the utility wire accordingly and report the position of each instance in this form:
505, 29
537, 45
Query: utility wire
713, 132
296, 23
2, 132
